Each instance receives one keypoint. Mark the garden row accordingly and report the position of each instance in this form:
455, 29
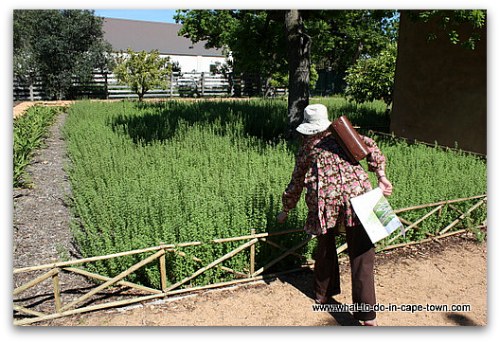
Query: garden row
29, 132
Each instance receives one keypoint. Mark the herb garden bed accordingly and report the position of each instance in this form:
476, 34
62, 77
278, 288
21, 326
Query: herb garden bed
173, 172
178, 167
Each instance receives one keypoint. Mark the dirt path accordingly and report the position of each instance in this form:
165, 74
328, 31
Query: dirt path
453, 271
41, 217
432, 274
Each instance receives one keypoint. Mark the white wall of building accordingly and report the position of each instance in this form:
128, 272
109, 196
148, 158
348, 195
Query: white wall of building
196, 63
188, 64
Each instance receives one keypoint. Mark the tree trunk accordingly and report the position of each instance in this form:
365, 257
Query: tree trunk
298, 49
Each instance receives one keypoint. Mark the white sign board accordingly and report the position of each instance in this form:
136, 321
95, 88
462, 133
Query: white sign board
376, 215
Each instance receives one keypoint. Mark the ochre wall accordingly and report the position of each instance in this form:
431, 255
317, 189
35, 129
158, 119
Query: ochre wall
440, 89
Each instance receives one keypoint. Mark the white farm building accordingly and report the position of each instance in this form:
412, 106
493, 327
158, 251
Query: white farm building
146, 36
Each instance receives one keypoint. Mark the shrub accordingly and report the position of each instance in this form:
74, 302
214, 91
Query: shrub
372, 78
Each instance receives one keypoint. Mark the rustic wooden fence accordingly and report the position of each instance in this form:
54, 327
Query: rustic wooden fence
25, 309
106, 86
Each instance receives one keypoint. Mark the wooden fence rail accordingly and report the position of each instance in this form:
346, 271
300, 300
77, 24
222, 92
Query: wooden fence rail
54, 271
106, 86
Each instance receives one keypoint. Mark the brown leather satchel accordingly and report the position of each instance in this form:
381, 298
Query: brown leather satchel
349, 139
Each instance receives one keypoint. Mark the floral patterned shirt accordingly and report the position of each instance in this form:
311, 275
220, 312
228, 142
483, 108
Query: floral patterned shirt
322, 167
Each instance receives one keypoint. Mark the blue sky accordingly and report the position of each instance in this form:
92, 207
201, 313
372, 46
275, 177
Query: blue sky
164, 16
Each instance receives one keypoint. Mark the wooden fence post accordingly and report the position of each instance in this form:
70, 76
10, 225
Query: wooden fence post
163, 271
106, 90
171, 84
203, 84
57, 291
32, 94
252, 255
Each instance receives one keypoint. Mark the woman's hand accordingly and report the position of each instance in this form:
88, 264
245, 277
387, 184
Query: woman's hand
385, 185
282, 217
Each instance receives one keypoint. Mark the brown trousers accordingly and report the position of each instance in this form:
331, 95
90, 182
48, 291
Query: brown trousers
362, 258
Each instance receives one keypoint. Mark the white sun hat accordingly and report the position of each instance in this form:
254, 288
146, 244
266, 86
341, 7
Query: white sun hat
315, 120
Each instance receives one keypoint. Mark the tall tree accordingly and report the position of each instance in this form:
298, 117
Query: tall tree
279, 42
299, 57
254, 38
25, 65
58, 45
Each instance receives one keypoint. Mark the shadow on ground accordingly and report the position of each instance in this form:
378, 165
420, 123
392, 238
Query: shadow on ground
303, 282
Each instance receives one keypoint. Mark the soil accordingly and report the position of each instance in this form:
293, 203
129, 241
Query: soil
454, 273
21, 107
446, 272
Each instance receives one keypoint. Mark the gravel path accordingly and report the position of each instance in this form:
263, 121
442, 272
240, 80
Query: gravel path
41, 219
40, 215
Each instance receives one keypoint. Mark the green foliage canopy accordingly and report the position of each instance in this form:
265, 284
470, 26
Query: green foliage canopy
58, 45
372, 78
449, 22
143, 71
257, 39
342, 37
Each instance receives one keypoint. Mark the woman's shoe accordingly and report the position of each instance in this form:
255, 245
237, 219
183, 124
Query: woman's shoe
321, 300
372, 322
